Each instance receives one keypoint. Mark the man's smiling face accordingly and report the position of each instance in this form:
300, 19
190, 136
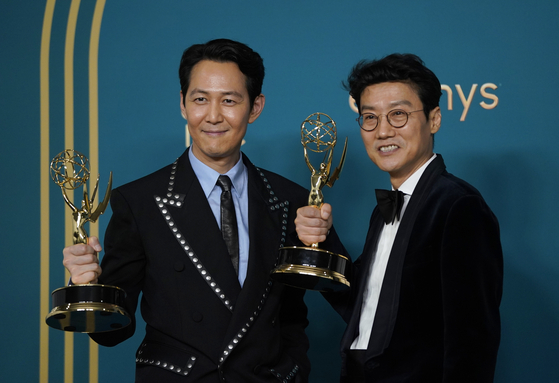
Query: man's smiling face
398, 151
217, 108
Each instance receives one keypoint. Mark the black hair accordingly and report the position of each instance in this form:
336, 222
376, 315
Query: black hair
224, 50
405, 68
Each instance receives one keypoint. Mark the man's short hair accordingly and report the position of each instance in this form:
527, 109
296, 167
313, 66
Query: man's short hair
223, 50
405, 68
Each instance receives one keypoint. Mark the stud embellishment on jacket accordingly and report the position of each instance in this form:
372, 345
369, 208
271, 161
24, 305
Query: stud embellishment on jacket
177, 200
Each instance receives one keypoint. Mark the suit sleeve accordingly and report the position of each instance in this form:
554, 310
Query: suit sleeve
123, 264
344, 302
293, 320
471, 277
341, 302
292, 316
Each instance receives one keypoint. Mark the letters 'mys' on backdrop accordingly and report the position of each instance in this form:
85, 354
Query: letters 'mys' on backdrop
100, 76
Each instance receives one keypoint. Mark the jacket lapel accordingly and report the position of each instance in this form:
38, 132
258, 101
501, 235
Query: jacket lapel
190, 219
197, 232
387, 309
265, 232
366, 259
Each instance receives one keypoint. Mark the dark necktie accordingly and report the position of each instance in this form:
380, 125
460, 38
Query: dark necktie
390, 203
229, 221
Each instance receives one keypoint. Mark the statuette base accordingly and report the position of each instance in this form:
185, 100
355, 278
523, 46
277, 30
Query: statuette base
311, 269
90, 308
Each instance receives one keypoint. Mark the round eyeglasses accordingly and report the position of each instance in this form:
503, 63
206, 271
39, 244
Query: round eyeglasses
396, 117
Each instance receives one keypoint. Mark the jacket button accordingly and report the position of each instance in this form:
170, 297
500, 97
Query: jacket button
197, 316
179, 266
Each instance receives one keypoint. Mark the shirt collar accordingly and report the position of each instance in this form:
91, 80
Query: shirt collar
409, 185
208, 177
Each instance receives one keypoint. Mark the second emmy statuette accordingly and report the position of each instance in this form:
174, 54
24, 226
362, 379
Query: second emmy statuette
310, 267
86, 308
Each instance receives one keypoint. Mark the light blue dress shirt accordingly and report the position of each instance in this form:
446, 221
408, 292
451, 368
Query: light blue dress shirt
239, 178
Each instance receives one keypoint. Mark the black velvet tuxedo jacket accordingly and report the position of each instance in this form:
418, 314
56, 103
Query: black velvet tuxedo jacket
438, 313
164, 241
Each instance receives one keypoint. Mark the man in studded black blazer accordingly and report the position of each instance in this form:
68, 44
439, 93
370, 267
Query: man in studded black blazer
424, 303
204, 321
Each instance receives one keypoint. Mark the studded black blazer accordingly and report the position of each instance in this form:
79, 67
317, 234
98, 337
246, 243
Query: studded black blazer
163, 241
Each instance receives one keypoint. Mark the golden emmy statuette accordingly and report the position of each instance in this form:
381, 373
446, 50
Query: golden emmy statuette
86, 308
312, 268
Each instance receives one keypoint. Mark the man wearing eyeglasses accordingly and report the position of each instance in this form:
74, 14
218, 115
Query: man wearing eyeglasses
424, 300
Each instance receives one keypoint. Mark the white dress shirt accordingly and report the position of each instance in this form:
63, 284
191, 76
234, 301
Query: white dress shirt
376, 273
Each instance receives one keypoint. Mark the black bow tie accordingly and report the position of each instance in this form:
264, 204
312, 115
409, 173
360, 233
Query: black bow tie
390, 203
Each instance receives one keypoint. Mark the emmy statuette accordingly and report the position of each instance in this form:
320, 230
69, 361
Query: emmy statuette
312, 268
88, 308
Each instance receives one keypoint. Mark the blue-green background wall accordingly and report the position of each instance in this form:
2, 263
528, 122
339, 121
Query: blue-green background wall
508, 152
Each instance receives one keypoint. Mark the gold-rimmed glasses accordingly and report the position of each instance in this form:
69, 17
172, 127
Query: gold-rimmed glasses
396, 117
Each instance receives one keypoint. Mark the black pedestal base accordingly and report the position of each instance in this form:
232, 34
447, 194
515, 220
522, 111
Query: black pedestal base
312, 269
88, 308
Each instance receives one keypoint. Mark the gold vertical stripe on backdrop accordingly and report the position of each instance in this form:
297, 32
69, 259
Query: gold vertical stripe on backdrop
45, 161
44, 197
94, 145
69, 144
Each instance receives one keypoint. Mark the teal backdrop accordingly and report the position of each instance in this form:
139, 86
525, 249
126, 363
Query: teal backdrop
118, 103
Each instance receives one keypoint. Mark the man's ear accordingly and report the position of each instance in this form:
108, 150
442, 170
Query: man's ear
435, 120
257, 108
183, 108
